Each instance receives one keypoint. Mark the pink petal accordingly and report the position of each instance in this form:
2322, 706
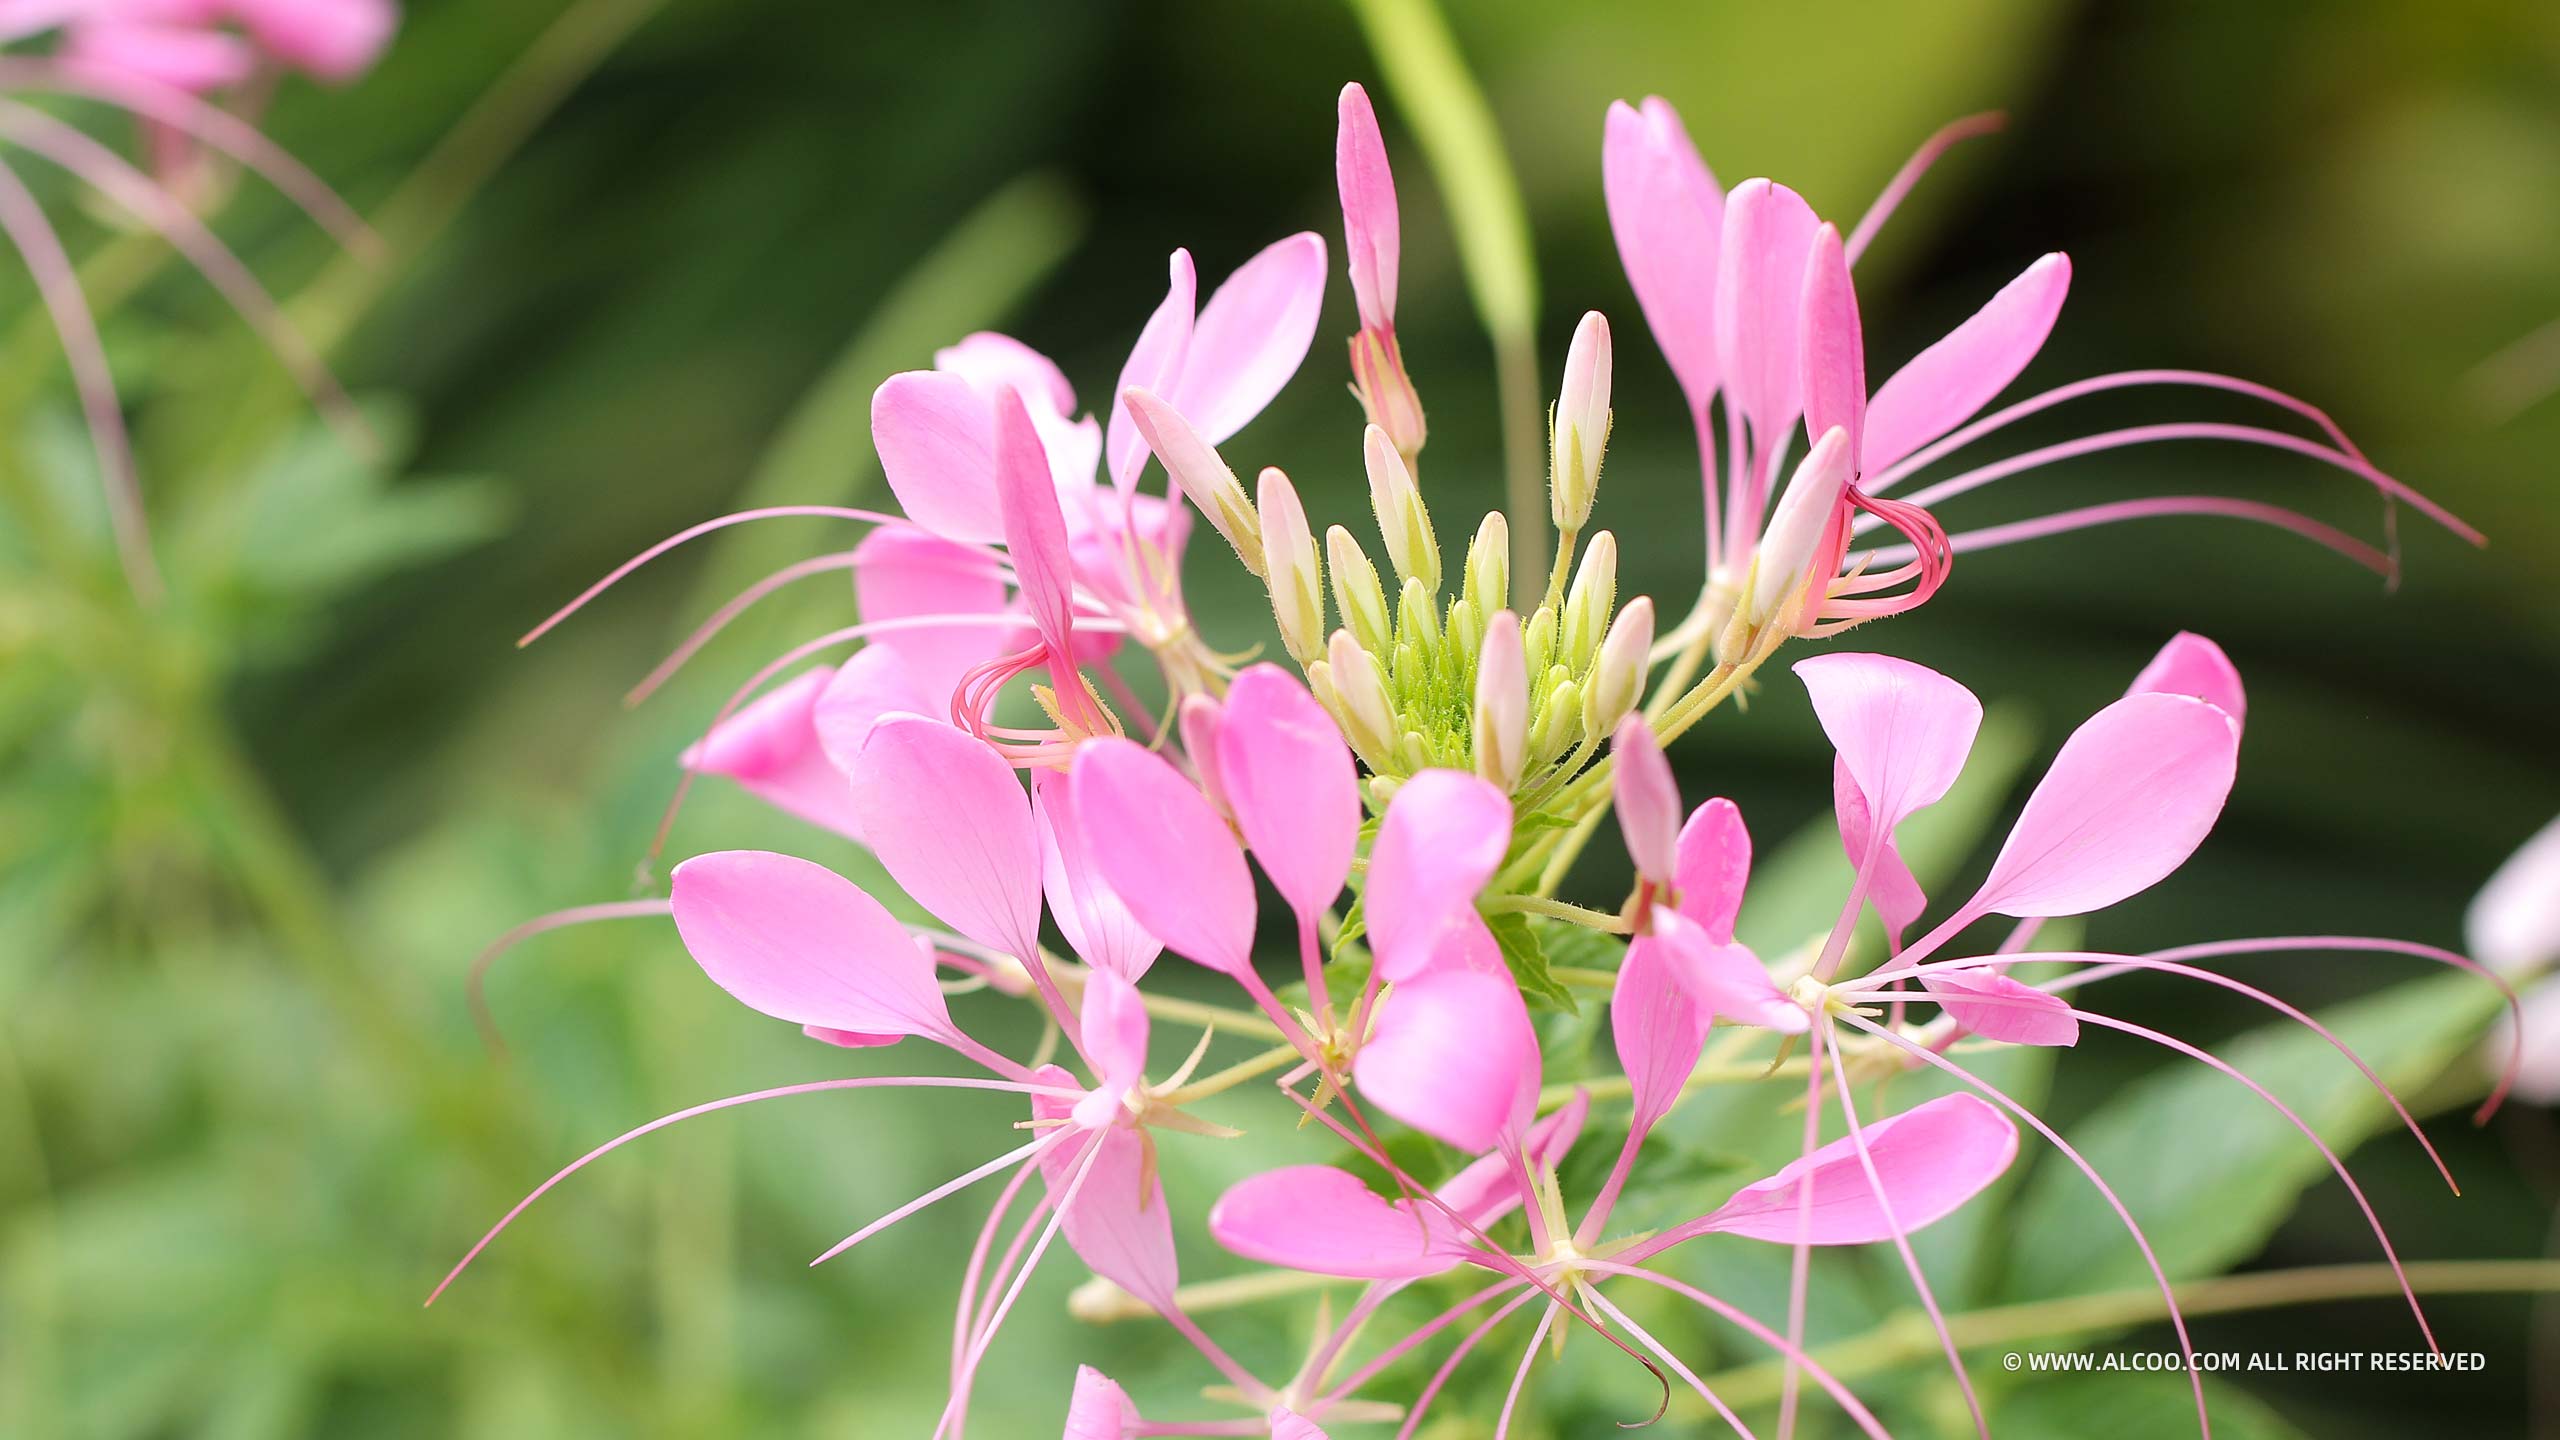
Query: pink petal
849, 1039
1251, 337
1168, 856
1658, 1027
772, 748
993, 361
1114, 1022
1647, 800
1369, 231
1287, 775
1035, 532
1930, 1159
178, 56
1099, 1409
1833, 364
1486, 1189
1891, 887
1727, 980
1667, 213
1444, 835
947, 817
1098, 927
1454, 1056
867, 689
2538, 1068
1713, 867
2011, 1011
801, 943
2128, 799
1902, 730
2513, 926
1118, 1225
901, 571
333, 40
1326, 1222
938, 453
1945, 384
1154, 365
2192, 665
1287, 1424
1768, 232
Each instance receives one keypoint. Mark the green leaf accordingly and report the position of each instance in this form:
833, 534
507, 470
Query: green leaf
1529, 965
2209, 1170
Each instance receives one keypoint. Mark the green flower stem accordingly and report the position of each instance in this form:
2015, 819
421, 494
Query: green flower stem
1429, 79
1907, 1338
1558, 910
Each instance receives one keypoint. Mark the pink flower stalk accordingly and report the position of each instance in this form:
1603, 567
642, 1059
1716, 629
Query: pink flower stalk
1370, 244
1748, 295
154, 60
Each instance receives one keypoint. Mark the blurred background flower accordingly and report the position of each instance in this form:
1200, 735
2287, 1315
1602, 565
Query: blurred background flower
644, 262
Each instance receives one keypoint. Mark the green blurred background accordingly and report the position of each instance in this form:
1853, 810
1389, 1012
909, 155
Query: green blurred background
250, 844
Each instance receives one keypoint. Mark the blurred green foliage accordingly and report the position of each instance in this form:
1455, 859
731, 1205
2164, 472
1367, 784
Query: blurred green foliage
249, 843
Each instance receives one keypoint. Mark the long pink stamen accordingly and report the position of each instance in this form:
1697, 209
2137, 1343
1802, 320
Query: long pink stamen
2195, 430
2142, 1242
58, 284
1902, 1245
2231, 507
475, 986
1663, 1353
961, 1313
1800, 1263
737, 605
1084, 1164
963, 1377
1405, 1346
940, 1192
1449, 1367
214, 126
1520, 1376
862, 1082
1949, 136
1793, 1354
695, 532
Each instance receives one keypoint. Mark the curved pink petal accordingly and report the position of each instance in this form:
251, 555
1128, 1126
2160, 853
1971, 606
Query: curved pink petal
1930, 1159
1667, 213
868, 688
1252, 334
1444, 835
1327, 1222
1098, 927
2192, 665
993, 361
2513, 926
333, 40
1099, 1409
902, 571
1288, 776
1154, 365
1714, 866
947, 817
1760, 263
1114, 1022
1035, 532
938, 453
1659, 1028
1118, 1224
1454, 1056
1726, 980
1487, 1189
1945, 384
1647, 800
773, 749
1168, 856
2537, 1068
181, 57
1902, 730
1891, 887
1370, 235
2128, 799
1833, 362
2001, 1008
799, 942
1287, 1424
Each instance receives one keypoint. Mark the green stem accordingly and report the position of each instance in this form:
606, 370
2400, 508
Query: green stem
1582, 915
1429, 79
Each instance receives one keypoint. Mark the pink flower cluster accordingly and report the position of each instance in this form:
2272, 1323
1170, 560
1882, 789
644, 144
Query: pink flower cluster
1029, 553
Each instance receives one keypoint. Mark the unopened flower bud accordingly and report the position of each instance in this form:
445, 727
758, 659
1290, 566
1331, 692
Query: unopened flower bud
1487, 586
1558, 725
1194, 465
1617, 674
1501, 720
1360, 688
1386, 392
1587, 604
1784, 566
1403, 522
1647, 799
1580, 426
1356, 592
1199, 719
1295, 575
1538, 640
1417, 619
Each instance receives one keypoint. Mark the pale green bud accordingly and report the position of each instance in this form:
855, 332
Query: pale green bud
1403, 522
1587, 604
1558, 725
1488, 580
1501, 718
1579, 425
1356, 593
1295, 575
1618, 674
1194, 465
1359, 686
